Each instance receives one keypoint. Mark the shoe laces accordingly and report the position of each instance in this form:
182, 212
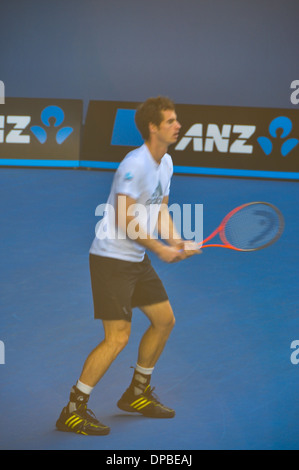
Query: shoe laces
148, 392
87, 413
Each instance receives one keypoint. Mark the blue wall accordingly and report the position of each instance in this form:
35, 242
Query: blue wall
222, 52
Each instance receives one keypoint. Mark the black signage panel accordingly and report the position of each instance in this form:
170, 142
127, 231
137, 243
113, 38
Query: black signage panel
213, 139
105, 122
241, 138
33, 129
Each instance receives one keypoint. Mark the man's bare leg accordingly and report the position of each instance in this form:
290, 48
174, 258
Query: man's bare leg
138, 396
117, 333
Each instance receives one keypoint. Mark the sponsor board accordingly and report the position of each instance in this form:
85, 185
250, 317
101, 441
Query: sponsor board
38, 132
216, 140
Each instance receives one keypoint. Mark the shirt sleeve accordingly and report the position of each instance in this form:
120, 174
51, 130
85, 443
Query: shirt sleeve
170, 173
128, 179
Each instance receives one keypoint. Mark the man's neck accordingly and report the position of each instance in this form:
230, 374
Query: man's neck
157, 150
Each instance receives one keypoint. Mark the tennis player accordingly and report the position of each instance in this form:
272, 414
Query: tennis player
122, 276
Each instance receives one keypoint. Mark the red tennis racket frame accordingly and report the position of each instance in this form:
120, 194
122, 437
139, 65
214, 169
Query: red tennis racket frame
221, 229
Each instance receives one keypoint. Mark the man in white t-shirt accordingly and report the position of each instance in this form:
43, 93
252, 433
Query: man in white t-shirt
122, 276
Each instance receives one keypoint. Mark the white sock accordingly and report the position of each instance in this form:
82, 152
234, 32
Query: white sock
84, 388
144, 370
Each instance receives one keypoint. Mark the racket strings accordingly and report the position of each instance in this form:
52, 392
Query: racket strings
252, 227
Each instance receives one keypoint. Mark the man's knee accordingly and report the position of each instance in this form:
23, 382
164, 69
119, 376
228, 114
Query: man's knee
169, 321
163, 318
117, 335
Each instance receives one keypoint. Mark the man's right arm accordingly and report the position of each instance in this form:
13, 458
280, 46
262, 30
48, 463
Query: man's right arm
126, 222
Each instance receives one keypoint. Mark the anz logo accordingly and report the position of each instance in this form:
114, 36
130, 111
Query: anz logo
214, 138
285, 124
234, 138
17, 136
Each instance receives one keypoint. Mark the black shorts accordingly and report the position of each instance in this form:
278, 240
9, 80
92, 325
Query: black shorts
118, 286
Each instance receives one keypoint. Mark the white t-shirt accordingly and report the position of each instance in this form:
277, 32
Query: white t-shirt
143, 179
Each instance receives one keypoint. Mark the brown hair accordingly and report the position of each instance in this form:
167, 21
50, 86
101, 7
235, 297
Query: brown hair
151, 112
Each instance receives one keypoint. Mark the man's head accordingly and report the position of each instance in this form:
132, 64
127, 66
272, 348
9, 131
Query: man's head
151, 114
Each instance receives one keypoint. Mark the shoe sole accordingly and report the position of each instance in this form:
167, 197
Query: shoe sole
130, 409
62, 427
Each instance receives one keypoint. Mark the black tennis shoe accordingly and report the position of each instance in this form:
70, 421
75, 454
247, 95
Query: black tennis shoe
81, 420
146, 404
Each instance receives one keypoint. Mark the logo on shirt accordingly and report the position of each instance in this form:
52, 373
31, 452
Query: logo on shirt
128, 176
157, 196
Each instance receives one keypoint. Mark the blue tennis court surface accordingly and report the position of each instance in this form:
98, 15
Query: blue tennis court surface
226, 368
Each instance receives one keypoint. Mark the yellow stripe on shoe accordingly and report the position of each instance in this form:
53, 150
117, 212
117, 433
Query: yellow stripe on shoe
144, 405
76, 422
137, 402
71, 419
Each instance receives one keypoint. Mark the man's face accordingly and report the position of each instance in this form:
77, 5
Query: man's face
168, 130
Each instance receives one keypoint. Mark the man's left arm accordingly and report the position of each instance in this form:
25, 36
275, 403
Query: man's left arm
169, 233
165, 226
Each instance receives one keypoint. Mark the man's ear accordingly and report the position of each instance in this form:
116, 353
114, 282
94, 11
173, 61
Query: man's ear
152, 128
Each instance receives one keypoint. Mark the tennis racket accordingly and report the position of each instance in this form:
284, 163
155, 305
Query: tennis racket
249, 227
